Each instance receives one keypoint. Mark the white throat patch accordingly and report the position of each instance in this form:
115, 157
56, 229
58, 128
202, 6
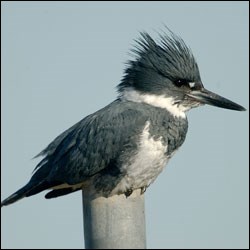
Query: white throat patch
160, 101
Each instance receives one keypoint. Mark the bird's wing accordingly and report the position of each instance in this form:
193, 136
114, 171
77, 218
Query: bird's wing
92, 144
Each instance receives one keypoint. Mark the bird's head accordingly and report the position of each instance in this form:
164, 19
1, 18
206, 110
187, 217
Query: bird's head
167, 75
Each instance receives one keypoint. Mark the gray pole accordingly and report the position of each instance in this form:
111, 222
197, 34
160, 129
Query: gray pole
114, 223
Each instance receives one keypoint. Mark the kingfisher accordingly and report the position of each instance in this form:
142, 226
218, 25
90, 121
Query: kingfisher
126, 145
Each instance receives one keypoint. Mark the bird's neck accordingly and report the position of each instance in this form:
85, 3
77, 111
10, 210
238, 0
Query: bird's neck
159, 101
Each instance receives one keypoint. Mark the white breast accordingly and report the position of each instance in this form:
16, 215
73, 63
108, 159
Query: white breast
146, 164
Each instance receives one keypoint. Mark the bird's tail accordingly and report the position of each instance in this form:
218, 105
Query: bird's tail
26, 191
14, 197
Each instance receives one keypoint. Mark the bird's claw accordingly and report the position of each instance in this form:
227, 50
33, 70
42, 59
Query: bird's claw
128, 193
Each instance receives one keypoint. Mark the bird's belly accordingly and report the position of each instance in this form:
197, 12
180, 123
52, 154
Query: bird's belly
145, 165
145, 168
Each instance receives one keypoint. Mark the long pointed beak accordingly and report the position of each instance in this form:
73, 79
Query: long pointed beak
207, 97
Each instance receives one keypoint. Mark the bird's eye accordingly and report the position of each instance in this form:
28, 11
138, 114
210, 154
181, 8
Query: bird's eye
187, 83
181, 82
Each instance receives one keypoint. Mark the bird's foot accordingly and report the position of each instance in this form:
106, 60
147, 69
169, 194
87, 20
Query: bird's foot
128, 193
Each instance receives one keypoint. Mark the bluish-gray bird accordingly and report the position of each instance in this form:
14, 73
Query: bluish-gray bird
125, 145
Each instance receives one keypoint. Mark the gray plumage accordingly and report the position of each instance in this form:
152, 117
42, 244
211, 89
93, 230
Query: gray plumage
162, 63
125, 145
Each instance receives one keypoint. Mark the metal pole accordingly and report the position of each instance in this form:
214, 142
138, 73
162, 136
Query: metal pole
114, 223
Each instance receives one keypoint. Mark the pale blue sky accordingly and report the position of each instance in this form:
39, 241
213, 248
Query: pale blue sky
62, 60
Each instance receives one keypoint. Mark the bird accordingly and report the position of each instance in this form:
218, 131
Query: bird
125, 145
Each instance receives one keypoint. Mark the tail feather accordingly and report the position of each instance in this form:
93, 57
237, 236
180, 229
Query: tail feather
26, 191
21, 193
11, 199
59, 192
